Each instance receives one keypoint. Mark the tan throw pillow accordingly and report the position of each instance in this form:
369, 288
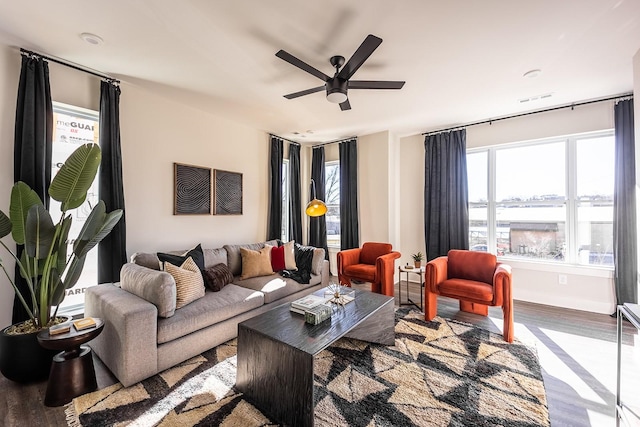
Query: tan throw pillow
256, 263
290, 256
189, 283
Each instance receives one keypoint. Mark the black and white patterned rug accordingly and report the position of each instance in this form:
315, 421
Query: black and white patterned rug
438, 373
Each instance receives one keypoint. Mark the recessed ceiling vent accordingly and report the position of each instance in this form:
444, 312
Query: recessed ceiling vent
535, 98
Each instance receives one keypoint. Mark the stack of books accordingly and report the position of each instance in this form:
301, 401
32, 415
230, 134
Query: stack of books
318, 314
303, 304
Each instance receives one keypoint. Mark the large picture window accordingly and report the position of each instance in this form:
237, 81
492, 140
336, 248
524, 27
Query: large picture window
549, 200
74, 126
332, 195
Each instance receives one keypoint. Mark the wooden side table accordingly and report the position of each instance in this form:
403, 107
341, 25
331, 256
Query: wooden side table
420, 273
72, 373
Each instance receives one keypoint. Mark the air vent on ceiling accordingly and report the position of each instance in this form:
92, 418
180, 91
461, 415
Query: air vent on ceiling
536, 98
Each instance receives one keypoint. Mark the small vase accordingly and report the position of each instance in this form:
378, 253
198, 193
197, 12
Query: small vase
417, 264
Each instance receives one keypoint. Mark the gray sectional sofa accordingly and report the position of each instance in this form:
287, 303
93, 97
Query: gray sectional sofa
137, 343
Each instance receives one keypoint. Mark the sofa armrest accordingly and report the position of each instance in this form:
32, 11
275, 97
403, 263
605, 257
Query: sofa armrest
128, 343
325, 273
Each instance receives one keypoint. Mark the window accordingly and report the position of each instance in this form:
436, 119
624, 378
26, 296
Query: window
332, 200
285, 200
74, 126
549, 200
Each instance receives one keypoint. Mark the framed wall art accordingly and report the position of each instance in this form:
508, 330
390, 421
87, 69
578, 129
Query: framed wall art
227, 191
192, 190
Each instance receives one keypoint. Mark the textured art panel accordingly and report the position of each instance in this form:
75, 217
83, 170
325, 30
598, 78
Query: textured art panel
192, 190
228, 192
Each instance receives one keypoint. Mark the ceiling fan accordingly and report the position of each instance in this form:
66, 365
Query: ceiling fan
338, 85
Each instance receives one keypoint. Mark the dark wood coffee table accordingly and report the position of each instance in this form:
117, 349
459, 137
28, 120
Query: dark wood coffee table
276, 351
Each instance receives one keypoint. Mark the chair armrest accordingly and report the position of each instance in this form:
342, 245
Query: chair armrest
348, 257
128, 344
502, 284
435, 272
386, 261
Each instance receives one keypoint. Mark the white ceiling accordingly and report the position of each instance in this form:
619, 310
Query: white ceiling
462, 60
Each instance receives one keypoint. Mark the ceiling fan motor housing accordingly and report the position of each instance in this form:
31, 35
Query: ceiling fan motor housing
337, 90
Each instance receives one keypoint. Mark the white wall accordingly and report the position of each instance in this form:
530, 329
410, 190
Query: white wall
155, 132
588, 289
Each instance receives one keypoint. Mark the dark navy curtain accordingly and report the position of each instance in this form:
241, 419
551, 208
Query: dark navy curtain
625, 249
349, 228
112, 250
274, 224
318, 225
446, 199
32, 144
295, 202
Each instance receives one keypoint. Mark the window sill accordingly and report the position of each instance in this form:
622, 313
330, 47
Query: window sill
556, 267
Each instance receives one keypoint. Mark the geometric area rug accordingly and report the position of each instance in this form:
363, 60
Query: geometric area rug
438, 373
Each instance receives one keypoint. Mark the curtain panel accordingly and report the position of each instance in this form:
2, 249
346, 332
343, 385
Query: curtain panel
446, 199
32, 153
274, 225
625, 249
349, 226
295, 201
112, 251
318, 225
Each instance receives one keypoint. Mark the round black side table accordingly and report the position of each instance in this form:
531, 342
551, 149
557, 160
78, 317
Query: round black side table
72, 373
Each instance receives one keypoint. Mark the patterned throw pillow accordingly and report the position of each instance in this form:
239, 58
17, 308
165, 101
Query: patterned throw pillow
189, 283
289, 256
277, 258
256, 263
217, 276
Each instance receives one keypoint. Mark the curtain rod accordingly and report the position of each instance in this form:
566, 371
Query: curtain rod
334, 142
285, 139
490, 121
70, 65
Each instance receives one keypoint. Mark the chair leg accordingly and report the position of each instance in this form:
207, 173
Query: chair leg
376, 288
344, 280
472, 307
430, 305
507, 316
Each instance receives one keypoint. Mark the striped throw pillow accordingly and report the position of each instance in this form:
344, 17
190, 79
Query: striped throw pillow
189, 283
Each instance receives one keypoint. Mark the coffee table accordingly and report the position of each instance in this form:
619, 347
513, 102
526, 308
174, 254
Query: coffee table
276, 351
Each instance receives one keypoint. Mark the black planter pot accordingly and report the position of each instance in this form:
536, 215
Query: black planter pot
22, 359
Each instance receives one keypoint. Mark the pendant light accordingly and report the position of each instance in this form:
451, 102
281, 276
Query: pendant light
315, 207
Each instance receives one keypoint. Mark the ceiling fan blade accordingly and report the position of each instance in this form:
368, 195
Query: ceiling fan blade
304, 92
344, 106
361, 54
302, 65
372, 84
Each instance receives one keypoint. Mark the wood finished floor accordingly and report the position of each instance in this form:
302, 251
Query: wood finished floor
577, 352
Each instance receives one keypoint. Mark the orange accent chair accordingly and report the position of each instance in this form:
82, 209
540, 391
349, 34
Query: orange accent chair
374, 262
477, 279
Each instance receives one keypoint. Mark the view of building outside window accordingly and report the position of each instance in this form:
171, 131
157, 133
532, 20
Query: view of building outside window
551, 200
332, 200
73, 127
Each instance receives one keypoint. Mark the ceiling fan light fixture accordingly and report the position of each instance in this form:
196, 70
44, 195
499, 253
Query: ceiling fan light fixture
336, 97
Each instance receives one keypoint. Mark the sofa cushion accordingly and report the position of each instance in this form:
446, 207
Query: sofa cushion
275, 287
277, 258
256, 263
157, 287
189, 283
146, 259
318, 258
214, 307
290, 255
234, 259
463, 288
217, 277
471, 265
196, 254
361, 271
372, 250
214, 256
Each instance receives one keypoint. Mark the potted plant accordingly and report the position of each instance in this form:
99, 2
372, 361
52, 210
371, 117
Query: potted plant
417, 259
45, 264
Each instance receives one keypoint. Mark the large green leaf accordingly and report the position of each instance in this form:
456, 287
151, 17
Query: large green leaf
96, 228
71, 278
5, 225
71, 183
22, 198
63, 244
39, 233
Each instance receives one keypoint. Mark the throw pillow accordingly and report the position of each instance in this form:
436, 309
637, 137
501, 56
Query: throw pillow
196, 254
189, 283
289, 256
217, 277
256, 263
277, 258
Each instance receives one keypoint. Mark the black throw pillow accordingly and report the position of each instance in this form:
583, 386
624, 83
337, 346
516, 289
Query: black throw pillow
196, 254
